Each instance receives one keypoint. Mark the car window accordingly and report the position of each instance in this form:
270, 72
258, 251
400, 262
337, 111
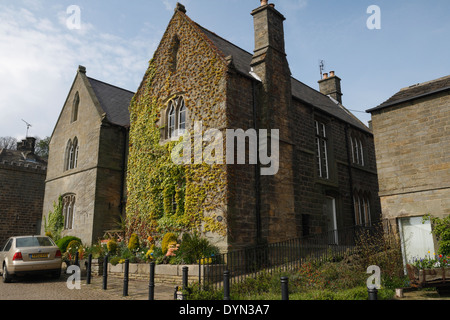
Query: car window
34, 242
7, 245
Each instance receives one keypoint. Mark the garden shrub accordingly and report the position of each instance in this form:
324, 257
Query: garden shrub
194, 249
112, 246
441, 229
168, 239
63, 243
73, 246
133, 243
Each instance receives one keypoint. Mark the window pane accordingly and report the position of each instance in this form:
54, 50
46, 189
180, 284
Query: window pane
182, 124
171, 121
33, 242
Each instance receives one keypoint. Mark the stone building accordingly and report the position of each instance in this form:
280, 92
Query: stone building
22, 183
327, 177
412, 143
87, 158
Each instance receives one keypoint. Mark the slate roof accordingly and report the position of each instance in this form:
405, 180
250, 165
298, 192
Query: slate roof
21, 158
242, 60
415, 91
114, 101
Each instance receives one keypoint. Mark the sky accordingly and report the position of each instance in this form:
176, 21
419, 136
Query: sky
42, 43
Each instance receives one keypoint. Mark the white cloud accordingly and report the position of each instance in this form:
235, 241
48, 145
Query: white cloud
38, 61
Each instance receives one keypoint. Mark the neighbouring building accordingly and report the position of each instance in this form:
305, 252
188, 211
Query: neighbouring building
22, 184
327, 178
412, 143
87, 158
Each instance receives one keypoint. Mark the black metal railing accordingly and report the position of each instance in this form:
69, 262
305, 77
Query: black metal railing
278, 257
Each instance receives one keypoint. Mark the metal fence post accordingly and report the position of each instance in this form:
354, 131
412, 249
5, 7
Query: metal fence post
89, 269
284, 288
151, 283
77, 255
185, 277
226, 285
373, 293
105, 272
125, 278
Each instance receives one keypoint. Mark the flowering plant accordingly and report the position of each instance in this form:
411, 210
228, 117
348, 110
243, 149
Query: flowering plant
437, 261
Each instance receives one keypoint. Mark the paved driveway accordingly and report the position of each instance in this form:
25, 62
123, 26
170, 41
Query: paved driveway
44, 288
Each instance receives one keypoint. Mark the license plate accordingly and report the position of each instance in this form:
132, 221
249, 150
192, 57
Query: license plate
39, 256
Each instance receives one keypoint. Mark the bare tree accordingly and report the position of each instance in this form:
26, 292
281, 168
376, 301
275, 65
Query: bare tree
9, 143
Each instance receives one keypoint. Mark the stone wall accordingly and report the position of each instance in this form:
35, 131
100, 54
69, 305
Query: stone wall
21, 199
412, 148
80, 181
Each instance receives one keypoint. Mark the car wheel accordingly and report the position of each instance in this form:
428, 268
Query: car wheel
5, 275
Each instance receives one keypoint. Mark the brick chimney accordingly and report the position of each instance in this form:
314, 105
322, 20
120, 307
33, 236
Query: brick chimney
27, 144
330, 85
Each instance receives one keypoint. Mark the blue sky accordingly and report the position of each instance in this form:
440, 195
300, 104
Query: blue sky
39, 55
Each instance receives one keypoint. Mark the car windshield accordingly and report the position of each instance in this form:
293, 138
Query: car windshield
34, 242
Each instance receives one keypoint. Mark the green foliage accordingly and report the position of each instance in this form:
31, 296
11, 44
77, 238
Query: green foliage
194, 248
64, 242
155, 182
73, 246
55, 223
195, 292
112, 246
168, 239
133, 243
441, 229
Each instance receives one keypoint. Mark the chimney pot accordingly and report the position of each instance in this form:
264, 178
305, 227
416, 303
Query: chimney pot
331, 73
264, 2
325, 75
82, 69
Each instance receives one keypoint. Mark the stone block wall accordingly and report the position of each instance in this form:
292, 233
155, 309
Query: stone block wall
21, 199
412, 148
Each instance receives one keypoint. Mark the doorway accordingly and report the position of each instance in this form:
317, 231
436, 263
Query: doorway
416, 238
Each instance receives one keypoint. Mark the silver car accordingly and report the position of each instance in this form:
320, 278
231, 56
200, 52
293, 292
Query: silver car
29, 255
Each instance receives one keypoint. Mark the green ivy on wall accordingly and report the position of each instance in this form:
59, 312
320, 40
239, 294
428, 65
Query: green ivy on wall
162, 196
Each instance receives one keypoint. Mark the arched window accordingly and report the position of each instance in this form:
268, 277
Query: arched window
71, 155
67, 155
357, 153
361, 202
182, 119
171, 122
75, 164
361, 150
366, 210
74, 157
68, 211
75, 106
357, 148
177, 116
321, 150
